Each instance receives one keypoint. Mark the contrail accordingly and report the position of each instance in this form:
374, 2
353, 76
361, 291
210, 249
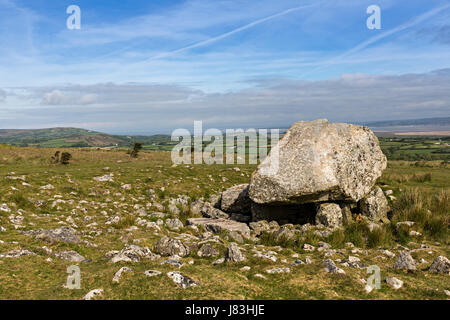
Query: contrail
227, 34
368, 42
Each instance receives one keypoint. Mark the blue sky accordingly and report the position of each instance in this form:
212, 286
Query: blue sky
153, 66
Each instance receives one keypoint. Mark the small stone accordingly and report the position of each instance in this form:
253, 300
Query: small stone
308, 247
440, 265
174, 224
394, 283
182, 280
16, 253
234, 254
132, 253
167, 246
219, 261
279, 270
331, 267
207, 251
405, 261
93, 293
70, 255
119, 273
174, 261
152, 273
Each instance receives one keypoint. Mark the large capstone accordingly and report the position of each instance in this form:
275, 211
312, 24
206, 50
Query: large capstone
319, 161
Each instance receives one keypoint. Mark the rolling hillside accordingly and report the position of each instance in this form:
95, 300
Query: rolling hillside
61, 137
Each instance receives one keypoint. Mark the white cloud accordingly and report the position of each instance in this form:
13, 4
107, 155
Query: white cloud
268, 103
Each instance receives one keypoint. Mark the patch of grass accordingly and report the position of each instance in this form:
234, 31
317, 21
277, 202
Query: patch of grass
20, 200
125, 222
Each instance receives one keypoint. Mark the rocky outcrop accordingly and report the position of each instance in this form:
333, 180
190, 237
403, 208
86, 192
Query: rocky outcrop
319, 161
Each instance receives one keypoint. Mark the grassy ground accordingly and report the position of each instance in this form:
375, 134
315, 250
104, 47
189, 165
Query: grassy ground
421, 192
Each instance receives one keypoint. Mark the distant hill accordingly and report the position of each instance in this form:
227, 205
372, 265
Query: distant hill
71, 137
75, 137
415, 122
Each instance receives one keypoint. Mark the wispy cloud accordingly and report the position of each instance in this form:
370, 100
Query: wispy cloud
234, 31
413, 22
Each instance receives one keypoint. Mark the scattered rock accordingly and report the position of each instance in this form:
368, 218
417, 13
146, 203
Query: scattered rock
405, 261
132, 253
16, 253
308, 247
279, 270
331, 267
105, 178
208, 211
174, 224
173, 261
119, 273
167, 246
70, 255
63, 234
219, 261
267, 255
4, 207
353, 262
394, 283
234, 254
152, 273
440, 265
207, 250
93, 293
182, 280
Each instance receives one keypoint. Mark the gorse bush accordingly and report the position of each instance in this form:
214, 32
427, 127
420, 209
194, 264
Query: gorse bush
136, 148
62, 158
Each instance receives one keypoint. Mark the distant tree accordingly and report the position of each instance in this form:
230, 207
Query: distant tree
65, 157
136, 148
62, 158
55, 157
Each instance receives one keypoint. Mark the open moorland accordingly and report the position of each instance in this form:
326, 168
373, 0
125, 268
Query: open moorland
104, 211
